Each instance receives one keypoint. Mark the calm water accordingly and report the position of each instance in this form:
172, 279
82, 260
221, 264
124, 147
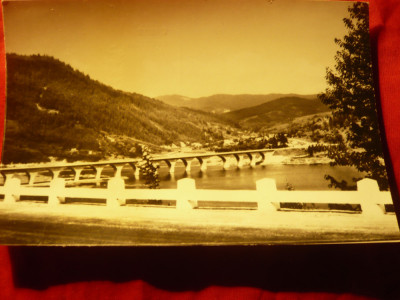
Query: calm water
301, 177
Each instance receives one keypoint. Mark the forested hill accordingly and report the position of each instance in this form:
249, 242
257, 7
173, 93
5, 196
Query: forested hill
52, 108
276, 112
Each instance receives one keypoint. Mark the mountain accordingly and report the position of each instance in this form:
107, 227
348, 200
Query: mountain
53, 110
222, 103
275, 112
176, 100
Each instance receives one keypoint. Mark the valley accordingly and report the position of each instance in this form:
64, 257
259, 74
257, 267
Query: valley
55, 112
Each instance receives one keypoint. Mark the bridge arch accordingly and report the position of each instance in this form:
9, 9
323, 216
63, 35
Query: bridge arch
239, 161
262, 158
203, 164
7, 176
184, 161
77, 171
187, 162
171, 165
252, 157
119, 167
136, 169
225, 162
55, 173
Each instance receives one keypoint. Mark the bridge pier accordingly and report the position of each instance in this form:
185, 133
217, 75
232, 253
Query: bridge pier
225, 163
55, 173
32, 176
239, 161
188, 165
240, 164
252, 160
171, 166
136, 171
78, 171
203, 164
118, 170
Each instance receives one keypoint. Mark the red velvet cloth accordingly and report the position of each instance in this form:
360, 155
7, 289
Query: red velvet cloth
385, 32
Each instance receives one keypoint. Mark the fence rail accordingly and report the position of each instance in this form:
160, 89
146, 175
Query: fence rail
187, 196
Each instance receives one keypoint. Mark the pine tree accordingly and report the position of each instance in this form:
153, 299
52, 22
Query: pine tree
351, 98
149, 169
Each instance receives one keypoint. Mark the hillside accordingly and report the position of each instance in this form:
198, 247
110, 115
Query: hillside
275, 112
223, 103
53, 109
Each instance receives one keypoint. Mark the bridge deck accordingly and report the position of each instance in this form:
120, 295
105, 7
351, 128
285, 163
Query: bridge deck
215, 154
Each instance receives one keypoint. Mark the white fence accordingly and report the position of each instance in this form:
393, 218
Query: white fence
187, 196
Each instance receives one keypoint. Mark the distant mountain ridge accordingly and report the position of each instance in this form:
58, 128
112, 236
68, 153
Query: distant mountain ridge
275, 112
222, 103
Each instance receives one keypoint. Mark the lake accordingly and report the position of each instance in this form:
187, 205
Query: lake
300, 177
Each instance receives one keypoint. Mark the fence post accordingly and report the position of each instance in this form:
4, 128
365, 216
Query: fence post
368, 191
116, 192
12, 190
266, 189
57, 191
186, 190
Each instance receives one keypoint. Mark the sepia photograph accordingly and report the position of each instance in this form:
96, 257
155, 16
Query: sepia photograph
191, 122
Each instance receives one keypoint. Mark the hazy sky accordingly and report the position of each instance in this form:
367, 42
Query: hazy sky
188, 47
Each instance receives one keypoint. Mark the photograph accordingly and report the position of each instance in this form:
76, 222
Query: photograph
191, 122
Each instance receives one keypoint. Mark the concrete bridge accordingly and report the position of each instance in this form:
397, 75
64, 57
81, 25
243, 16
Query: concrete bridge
255, 157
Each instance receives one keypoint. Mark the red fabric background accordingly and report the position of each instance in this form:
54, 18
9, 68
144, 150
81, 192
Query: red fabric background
385, 32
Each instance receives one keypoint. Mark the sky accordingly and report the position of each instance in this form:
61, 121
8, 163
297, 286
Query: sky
189, 47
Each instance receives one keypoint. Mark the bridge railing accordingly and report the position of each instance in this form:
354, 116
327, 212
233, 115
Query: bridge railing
367, 199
